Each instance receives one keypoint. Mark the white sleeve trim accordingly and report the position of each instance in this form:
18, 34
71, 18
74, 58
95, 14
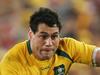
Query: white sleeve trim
94, 55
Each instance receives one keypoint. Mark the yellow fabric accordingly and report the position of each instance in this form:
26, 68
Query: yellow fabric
18, 61
38, 3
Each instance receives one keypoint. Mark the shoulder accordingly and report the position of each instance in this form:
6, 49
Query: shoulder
67, 40
13, 53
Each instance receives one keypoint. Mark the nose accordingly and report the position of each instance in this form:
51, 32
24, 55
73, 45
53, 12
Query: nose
49, 42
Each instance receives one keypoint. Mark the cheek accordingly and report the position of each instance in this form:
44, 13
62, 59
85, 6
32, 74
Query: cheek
57, 43
37, 42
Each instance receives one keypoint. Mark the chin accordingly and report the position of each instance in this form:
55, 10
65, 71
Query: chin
46, 58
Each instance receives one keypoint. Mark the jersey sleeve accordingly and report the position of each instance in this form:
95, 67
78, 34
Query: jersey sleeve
80, 52
10, 63
9, 68
15, 62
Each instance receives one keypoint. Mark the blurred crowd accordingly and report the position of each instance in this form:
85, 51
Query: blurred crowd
80, 20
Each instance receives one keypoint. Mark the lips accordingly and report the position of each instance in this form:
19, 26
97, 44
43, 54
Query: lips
47, 49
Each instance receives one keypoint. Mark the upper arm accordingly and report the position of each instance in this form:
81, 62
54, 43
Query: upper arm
9, 63
9, 68
80, 52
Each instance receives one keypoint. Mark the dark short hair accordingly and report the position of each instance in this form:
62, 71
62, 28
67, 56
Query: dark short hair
44, 15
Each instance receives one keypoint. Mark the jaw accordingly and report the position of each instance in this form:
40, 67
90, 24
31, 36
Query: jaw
45, 55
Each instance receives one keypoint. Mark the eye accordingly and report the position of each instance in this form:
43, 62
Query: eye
43, 37
53, 37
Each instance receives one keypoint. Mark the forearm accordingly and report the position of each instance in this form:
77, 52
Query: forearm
96, 57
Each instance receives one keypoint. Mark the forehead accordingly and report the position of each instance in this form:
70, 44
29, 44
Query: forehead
45, 28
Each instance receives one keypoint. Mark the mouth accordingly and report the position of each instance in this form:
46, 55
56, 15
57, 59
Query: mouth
47, 53
48, 49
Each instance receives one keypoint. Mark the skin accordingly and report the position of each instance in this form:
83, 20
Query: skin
98, 58
44, 42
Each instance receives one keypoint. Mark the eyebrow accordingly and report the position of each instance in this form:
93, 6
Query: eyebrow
47, 33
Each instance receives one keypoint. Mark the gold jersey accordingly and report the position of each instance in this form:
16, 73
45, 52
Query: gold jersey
20, 61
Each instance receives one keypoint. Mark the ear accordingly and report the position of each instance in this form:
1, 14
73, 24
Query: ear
30, 34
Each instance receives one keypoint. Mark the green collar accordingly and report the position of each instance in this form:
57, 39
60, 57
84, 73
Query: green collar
29, 47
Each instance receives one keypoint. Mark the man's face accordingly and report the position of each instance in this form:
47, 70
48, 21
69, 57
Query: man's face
44, 42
